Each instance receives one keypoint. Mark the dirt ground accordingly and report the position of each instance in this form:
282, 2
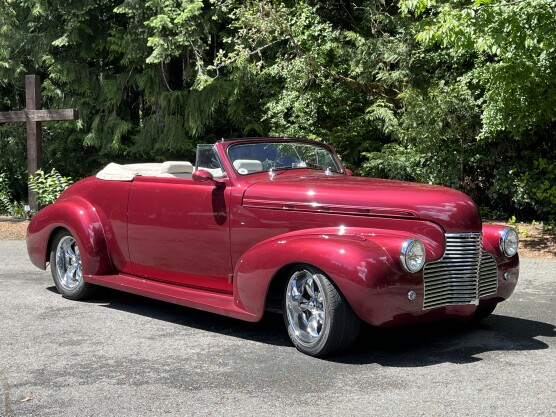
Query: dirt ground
12, 229
535, 242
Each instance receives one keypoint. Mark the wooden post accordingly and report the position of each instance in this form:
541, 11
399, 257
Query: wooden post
34, 133
33, 115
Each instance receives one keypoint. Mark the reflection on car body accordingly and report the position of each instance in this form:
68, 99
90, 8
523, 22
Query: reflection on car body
281, 225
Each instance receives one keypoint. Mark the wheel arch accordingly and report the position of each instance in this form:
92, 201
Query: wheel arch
277, 286
278, 283
49, 246
80, 219
349, 262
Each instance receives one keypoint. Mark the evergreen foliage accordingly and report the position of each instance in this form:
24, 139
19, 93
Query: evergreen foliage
453, 92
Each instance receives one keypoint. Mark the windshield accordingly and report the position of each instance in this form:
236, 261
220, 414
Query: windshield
249, 158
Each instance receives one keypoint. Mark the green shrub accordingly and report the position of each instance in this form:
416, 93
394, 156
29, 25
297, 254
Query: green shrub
5, 195
7, 206
48, 186
539, 183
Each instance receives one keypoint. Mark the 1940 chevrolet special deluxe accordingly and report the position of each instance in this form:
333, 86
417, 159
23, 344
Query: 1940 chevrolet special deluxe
278, 224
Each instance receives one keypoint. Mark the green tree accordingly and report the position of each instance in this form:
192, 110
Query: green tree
454, 92
512, 48
130, 68
503, 54
328, 70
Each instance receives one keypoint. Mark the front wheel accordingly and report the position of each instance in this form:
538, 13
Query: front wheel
319, 320
66, 269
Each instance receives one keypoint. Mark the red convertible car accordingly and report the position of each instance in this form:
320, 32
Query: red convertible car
279, 225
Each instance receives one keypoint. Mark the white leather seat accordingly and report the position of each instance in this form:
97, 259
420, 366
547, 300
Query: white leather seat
149, 169
175, 169
247, 166
180, 169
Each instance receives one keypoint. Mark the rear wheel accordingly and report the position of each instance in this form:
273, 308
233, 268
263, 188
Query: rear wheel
319, 320
66, 268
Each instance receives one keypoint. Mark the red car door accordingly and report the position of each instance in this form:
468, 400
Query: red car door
178, 232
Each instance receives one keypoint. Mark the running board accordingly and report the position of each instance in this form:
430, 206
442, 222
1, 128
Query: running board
218, 303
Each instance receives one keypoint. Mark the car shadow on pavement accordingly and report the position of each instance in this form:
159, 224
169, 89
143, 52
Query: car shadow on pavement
446, 342
409, 346
269, 330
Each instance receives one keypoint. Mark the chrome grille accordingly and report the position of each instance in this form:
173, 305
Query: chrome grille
460, 276
488, 275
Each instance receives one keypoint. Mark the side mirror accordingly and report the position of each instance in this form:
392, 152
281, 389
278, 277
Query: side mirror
202, 175
348, 172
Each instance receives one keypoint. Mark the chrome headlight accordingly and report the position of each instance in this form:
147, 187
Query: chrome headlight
412, 255
509, 240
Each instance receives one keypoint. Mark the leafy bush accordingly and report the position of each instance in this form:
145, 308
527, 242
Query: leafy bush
7, 206
538, 183
48, 186
396, 162
5, 196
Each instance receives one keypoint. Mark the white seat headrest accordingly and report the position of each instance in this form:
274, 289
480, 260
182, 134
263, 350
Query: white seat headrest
247, 166
115, 172
176, 167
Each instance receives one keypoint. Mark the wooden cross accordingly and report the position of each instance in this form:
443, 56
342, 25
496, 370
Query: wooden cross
33, 115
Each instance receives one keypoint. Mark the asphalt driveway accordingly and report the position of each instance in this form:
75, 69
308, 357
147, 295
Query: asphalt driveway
123, 355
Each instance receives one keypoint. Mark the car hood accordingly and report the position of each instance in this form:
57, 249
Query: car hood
342, 194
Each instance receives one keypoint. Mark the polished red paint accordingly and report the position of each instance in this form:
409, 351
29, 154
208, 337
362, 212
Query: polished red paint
201, 175
217, 244
314, 191
178, 231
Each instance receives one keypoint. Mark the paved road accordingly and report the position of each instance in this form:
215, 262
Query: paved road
122, 355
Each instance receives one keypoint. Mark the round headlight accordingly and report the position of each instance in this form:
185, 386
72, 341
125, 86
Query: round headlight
509, 241
412, 255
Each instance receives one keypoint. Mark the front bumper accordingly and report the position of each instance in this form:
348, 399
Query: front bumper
391, 306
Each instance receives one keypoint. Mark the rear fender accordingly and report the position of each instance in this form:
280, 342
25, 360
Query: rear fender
355, 259
80, 218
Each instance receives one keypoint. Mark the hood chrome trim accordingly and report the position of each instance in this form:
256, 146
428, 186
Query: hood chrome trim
328, 208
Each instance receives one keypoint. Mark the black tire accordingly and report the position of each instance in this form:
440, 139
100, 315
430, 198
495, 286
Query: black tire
318, 318
65, 266
483, 312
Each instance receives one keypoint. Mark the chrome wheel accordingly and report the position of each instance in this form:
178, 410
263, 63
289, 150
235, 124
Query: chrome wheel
68, 263
318, 318
306, 307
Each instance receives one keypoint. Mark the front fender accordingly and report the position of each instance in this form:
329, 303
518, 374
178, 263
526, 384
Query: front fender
357, 260
508, 268
80, 218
